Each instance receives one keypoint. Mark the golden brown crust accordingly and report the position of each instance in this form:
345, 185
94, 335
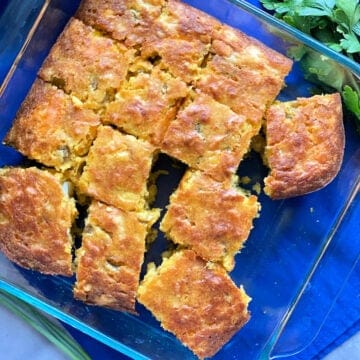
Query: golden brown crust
243, 73
196, 301
181, 57
212, 218
51, 129
207, 135
179, 20
35, 221
130, 21
305, 145
117, 169
110, 258
147, 103
86, 64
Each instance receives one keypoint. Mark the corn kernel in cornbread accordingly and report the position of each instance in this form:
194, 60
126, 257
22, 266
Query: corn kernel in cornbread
51, 129
110, 258
207, 135
147, 103
196, 301
243, 73
87, 65
117, 169
130, 21
305, 145
212, 218
35, 220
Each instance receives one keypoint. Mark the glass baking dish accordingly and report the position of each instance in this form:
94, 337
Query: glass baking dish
291, 244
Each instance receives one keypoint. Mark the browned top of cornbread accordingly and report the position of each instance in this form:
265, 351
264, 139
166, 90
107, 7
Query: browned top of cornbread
147, 102
183, 58
117, 169
305, 145
181, 40
207, 135
196, 301
243, 73
51, 129
130, 21
110, 258
35, 220
246, 91
212, 218
87, 64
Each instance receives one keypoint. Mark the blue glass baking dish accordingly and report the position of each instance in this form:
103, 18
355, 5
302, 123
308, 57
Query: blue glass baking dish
293, 242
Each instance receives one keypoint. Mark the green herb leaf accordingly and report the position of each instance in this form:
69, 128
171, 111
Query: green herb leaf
350, 43
352, 100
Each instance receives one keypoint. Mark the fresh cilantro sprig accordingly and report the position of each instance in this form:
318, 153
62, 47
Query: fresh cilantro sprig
335, 23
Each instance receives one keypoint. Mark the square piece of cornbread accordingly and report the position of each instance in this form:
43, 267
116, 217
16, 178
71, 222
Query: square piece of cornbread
51, 129
212, 218
87, 65
209, 136
117, 169
129, 21
110, 258
305, 142
195, 300
147, 102
36, 217
243, 73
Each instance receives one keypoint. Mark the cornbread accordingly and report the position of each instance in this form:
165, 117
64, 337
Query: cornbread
87, 65
305, 145
51, 129
242, 73
180, 57
207, 135
147, 103
117, 169
212, 218
195, 300
182, 41
130, 21
110, 258
35, 220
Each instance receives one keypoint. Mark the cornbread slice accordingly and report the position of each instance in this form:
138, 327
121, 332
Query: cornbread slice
305, 145
243, 73
110, 258
207, 135
183, 58
117, 169
178, 19
35, 220
130, 21
87, 65
147, 103
182, 41
51, 129
196, 301
212, 218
